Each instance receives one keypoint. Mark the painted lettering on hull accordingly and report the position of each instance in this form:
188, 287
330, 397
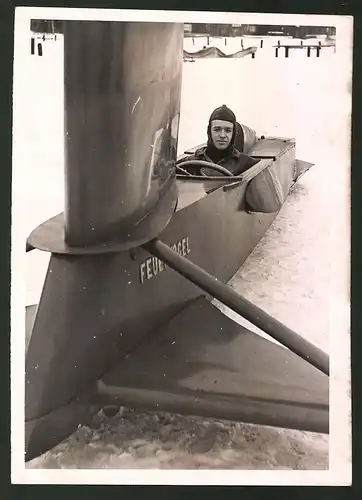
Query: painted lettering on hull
153, 266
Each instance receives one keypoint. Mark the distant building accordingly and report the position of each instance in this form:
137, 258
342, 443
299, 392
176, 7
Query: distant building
216, 30
45, 26
238, 29
229, 30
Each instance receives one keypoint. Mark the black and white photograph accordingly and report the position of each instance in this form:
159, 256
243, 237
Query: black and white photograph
180, 248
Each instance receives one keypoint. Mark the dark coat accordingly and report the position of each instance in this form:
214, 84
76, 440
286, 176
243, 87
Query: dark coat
236, 162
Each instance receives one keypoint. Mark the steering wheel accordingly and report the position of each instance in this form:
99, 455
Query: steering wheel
206, 164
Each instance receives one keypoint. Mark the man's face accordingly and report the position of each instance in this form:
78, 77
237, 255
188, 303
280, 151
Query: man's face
221, 133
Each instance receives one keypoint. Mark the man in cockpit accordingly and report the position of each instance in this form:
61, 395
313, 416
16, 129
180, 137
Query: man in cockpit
220, 148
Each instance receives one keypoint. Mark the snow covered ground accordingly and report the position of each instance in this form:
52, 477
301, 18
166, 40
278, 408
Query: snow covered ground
290, 274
